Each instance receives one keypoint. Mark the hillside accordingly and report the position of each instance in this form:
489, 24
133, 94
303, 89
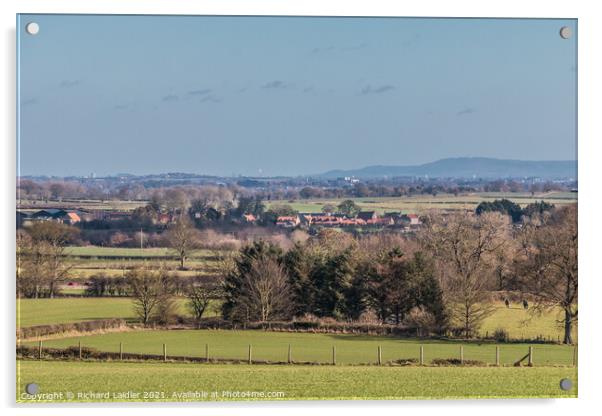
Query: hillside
468, 167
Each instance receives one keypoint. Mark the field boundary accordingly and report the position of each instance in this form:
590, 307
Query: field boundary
39, 331
79, 353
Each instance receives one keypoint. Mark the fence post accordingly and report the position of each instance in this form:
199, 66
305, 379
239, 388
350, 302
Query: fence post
497, 355
207, 353
461, 354
40, 349
379, 355
421, 355
250, 359
575, 356
121, 351
290, 356
530, 356
164, 352
79, 345
334, 355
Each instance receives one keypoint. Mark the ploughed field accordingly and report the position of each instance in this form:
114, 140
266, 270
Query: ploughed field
308, 347
197, 382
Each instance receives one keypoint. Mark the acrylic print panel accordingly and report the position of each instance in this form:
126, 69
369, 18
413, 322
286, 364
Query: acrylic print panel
293, 208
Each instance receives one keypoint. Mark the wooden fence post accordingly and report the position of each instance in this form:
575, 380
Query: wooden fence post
461, 354
497, 355
121, 351
40, 349
421, 355
290, 356
250, 358
379, 355
334, 355
207, 353
79, 345
530, 356
164, 352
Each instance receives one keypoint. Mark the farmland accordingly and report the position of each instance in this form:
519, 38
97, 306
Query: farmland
422, 203
357, 355
519, 323
294, 383
307, 347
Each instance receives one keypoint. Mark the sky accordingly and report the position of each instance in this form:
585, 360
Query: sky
271, 96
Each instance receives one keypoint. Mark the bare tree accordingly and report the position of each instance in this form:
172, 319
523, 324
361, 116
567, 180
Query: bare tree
547, 263
146, 289
44, 254
265, 292
183, 238
466, 247
199, 295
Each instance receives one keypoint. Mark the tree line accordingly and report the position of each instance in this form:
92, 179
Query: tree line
441, 279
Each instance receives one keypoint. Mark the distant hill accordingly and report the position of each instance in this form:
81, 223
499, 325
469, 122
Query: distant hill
468, 167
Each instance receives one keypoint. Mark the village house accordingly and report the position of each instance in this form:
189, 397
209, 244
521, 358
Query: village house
249, 218
288, 221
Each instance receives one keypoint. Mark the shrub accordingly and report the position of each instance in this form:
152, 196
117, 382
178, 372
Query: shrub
421, 320
500, 335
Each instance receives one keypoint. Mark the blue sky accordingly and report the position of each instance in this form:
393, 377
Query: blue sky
287, 95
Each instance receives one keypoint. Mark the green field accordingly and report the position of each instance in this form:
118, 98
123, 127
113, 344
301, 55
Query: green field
421, 203
129, 252
32, 312
308, 347
87, 261
288, 382
519, 323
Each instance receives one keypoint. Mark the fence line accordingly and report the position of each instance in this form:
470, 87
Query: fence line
437, 358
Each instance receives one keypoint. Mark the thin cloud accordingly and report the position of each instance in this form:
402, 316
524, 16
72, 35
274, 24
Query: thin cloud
211, 99
274, 85
170, 98
332, 48
199, 92
367, 90
121, 107
69, 83
465, 111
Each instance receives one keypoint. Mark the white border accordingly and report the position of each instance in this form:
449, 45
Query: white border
590, 28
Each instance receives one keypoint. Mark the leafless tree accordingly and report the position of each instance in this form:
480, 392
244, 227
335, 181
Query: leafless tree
43, 255
466, 247
200, 294
146, 289
265, 292
183, 238
547, 263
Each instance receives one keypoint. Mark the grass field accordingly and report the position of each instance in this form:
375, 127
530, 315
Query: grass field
307, 347
420, 203
87, 261
519, 323
129, 252
171, 382
32, 312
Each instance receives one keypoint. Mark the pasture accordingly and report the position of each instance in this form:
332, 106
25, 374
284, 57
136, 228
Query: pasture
31, 312
308, 347
87, 261
421, 203
518, 322
244, 382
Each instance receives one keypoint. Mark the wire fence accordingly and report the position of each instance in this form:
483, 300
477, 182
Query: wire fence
415, 354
